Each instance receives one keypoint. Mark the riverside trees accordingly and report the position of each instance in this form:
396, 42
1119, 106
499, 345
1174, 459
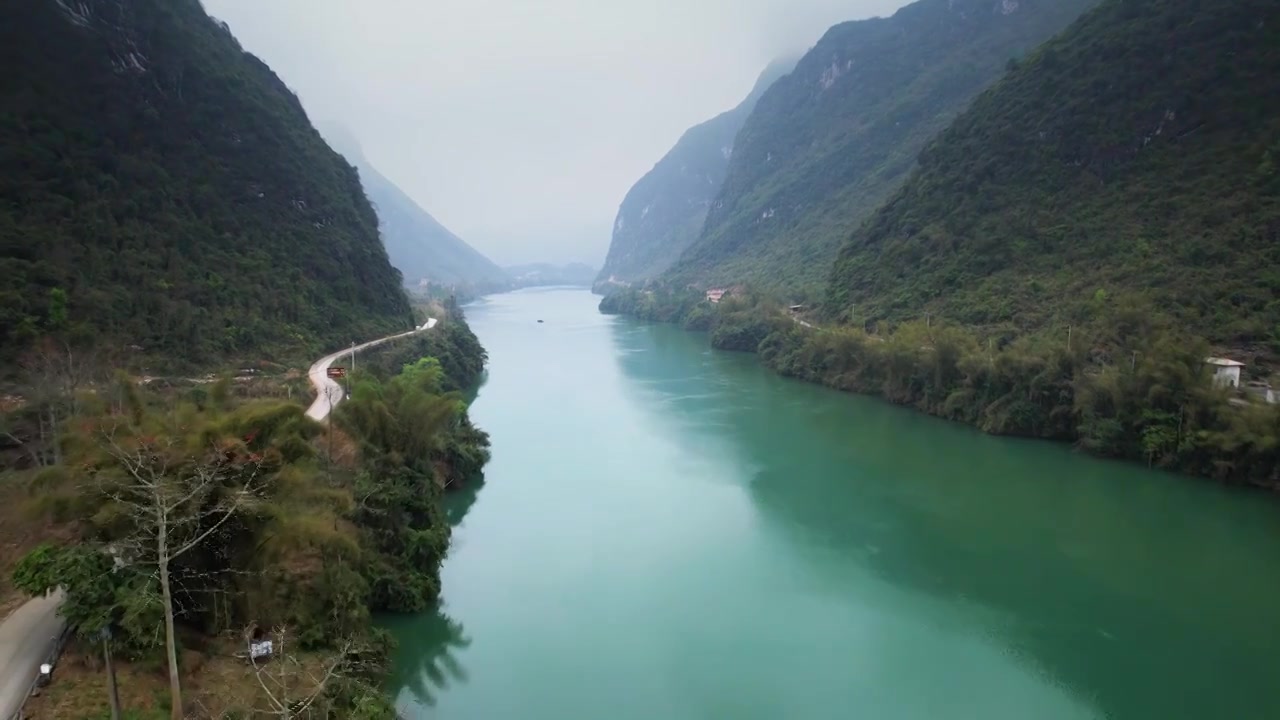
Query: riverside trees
196, 515
1126, 382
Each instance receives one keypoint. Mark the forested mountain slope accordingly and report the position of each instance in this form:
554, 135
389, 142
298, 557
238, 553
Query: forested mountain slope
664, 212
418, 245
161, 188
829, 142
1135, 155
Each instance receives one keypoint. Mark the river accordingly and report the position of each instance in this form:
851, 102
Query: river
671, 532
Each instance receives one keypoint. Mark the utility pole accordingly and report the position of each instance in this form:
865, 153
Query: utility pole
113, 692
1068, 338
353, 367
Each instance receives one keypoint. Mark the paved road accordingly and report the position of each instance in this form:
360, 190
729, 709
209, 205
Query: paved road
30, 633
328, 392
27, 638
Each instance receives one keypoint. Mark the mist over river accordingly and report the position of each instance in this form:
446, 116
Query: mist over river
671, 532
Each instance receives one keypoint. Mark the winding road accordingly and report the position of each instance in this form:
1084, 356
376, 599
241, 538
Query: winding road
30, 634
328, 392
27, 638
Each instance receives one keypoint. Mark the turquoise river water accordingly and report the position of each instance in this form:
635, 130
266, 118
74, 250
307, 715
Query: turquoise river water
671, 532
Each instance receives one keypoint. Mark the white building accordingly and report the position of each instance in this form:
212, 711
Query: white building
1226, 373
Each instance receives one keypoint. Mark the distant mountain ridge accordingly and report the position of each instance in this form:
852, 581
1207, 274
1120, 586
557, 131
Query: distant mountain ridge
535, 274
663, 212
829, 142
419, 246
162, 190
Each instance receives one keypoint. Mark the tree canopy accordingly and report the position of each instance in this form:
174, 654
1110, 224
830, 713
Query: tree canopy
165, 193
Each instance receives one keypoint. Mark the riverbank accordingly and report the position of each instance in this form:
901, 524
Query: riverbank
1127, 384
671, 531
282, 528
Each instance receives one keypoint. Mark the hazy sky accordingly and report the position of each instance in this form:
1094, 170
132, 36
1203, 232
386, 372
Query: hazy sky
520, 124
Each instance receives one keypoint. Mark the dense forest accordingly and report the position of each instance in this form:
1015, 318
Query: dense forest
1130, 384
1068, 252
418, 245
162, 191
827, 143
1136, 153
664, 211
226, 511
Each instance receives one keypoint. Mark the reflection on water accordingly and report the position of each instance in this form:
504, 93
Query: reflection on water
671, 532
426, 661
1113, 580
429, 664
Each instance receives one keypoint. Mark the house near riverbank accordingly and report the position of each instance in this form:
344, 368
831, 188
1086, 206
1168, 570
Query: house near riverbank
1226, 372
714, 295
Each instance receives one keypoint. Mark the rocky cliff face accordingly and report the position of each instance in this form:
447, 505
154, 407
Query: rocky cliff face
830, 141
665, 210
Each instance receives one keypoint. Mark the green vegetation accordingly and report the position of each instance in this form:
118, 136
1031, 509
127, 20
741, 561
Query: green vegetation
1129, 384
450, 342
664, 212
197, 515
659, 303
1146, 397
1132, 154
829, 142
168, 189
1067, 253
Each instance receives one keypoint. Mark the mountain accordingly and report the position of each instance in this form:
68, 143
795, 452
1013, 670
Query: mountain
1136, 155
663, 212
161, 188
419, 246
829, 142
535, 274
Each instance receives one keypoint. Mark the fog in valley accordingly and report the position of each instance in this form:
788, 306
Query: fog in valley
520, 125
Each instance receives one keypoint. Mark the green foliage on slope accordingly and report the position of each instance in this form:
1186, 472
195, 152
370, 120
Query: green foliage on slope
829, 142
280, 534
1131, 384
1135, 153
168, 191
1125, 388
663, 213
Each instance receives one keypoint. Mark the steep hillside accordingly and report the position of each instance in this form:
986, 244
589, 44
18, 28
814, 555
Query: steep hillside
829, 142
1136, 154
664, 212
160, 188
418, 245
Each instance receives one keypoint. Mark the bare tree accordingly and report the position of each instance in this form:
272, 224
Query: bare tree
55, 375
175, 502
293, 686
37, 457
